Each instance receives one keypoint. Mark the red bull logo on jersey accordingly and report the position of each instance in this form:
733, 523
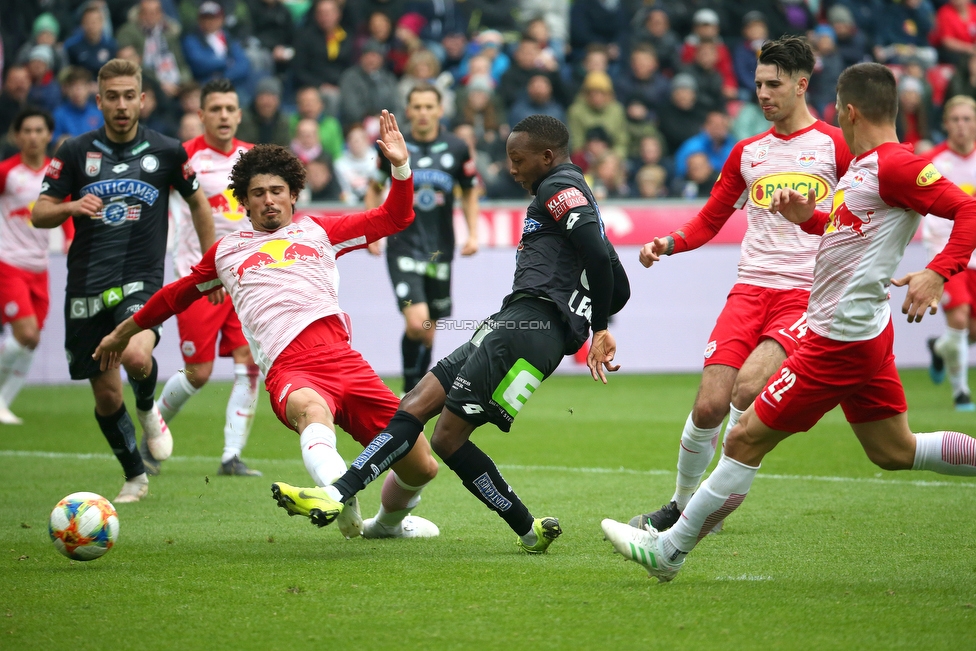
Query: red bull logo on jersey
226, 205
22, 213
807, 158
762, 190
841, 215
276, 254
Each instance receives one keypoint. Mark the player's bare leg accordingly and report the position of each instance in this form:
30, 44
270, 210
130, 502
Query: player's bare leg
141, 367
417, 344
950, 356
120, 432
16, 357
890, 444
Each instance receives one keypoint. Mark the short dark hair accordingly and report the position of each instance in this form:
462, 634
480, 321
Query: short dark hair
790, 54
74, 75
546, 132
216, 86
424, 87
872, 89
266, 159
32, 112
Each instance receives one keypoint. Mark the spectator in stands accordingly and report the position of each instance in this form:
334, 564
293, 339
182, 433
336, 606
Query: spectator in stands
237, 16
527, 62
45, 91
189, 97
597, 144
640, 124
423, 67
596, 105
538, 99
479, 106
325, 51
790, 16
320, 181
698, 182
392, 9
191, 126
454, 44
852, 43
750, 120
305, 145
356, 167
608, 178
46, 30
650, 182
712, 90
598, 21
156, 38
954, 32
684, 115
655, 30
309, 106
152, 115
914, 121
650, 151
642, 81
406, 41
715, 141
263, 122
555, 16
963, 82
498, 15
367, 88
903, 32
275, 31
705, 29
596, 59
441, 17
488, 44
828, 64
551, 51
745, 55
78, 112
13, 98
89, 47
212, 53
379, 27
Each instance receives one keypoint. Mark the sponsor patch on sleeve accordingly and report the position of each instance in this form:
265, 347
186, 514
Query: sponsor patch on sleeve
469, 167
54, 168
187, 170
563, 201
928, 176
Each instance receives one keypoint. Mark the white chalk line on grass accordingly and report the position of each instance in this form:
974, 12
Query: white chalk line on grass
38, 454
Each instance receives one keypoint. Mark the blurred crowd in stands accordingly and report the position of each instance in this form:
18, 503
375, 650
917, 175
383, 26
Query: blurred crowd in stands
655, 92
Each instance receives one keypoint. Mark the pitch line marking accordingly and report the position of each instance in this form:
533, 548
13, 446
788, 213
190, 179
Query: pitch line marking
572, 469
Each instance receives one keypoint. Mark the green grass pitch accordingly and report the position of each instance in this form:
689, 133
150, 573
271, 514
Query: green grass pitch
828, 552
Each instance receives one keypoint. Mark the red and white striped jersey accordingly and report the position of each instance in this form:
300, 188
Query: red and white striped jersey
21, 245
775, 253
212, 168
283, 281
961, 170
875, 213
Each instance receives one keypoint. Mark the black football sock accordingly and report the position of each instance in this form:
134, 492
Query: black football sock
480, 476
120, 432
145, 390
389, 446
412, 353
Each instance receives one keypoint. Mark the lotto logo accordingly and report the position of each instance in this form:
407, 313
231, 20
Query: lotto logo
564, 200
472, 409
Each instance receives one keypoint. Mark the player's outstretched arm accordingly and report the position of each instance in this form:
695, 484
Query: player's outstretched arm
652, 251
391, 141
49, 212
110, 349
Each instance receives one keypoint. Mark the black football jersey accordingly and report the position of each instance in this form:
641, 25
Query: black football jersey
437, 166
126, 240
547, 263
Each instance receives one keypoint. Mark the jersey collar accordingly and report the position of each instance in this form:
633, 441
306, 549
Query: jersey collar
557, 168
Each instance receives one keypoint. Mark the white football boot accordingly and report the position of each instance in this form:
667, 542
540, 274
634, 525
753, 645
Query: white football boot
641, 546
156, 432
410, 527
133, 490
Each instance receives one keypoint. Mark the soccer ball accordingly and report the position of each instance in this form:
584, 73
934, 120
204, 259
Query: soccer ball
84, 526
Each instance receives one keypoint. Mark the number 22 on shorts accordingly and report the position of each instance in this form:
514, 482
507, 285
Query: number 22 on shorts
782, 384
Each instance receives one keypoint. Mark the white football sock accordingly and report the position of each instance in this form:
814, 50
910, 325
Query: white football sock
696, 451
397, 499
175, 394
240, 410
319, 454
15, 364
947, 453
953, 347
722, 493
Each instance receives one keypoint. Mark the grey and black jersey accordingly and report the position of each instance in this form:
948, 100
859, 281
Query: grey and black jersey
125, 241
437, 167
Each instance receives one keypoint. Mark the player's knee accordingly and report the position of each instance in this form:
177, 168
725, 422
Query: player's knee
708, 413
891, 459
426, 468
444, 444
108, 399
198, 376
746, 390
28, 338
137, 363
418, 329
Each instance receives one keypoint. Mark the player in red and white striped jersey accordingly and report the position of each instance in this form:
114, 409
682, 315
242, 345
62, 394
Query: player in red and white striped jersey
212, 156
956, 160
764, 317
23, 254
846, 358
283, 280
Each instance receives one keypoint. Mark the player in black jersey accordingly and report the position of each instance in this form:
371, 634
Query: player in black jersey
419, 257
118, 180
568, 280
